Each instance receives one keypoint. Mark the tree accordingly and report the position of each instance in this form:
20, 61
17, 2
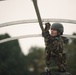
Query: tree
71, 56
36, 61
12, 60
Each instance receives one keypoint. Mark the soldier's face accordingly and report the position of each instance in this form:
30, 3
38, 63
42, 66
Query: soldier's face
53, 32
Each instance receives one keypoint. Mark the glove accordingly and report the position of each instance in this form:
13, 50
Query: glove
47, 26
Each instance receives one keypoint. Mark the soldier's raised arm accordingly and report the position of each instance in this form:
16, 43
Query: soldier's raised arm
46, 33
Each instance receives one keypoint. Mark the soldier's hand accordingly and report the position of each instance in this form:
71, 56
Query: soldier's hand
47, 26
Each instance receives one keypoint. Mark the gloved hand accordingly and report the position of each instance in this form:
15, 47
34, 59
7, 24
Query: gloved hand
47, 26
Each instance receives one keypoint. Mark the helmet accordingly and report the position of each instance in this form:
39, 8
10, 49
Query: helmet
58, 26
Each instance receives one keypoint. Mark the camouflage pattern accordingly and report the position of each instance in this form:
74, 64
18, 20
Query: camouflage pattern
54, 49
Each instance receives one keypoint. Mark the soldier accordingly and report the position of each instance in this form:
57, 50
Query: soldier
54, 43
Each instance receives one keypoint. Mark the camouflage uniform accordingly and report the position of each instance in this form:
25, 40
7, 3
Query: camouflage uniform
54, 49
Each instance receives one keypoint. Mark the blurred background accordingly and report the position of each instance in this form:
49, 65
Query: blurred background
27, 56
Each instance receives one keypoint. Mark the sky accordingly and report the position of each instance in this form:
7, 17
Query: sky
13, 10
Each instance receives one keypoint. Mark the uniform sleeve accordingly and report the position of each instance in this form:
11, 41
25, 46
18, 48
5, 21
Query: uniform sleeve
47, 38
45, 34
65, 40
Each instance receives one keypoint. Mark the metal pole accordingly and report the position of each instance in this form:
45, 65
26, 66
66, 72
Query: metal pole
38, 14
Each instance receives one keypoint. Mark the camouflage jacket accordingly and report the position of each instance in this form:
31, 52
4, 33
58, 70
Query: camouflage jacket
54, 44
